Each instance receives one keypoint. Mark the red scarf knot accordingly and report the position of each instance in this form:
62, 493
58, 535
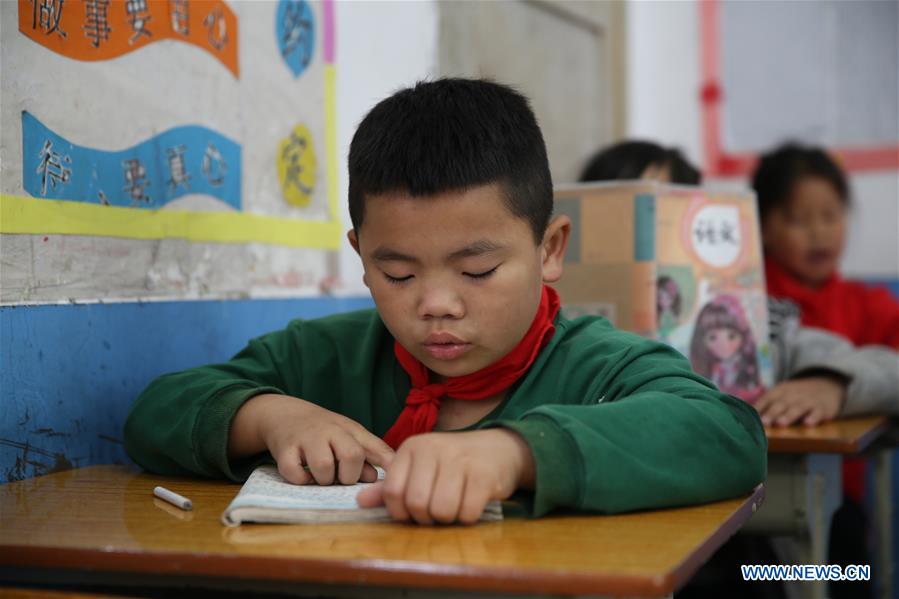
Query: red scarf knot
423, 402
427, 395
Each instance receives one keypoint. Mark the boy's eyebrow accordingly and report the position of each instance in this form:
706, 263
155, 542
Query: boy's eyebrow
478, 248
385, 254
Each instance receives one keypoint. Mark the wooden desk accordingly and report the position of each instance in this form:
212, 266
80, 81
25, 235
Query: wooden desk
805, 487
103, 522
845, 436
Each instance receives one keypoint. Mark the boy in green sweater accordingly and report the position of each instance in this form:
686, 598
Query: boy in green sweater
465, 384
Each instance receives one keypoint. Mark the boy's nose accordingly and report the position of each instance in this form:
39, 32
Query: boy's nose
440, 303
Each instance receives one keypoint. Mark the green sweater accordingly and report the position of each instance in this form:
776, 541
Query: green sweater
615, 422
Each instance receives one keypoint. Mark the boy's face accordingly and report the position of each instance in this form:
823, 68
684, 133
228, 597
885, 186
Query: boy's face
456, 277
806, 235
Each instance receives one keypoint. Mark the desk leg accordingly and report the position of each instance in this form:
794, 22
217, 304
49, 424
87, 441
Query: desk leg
801, 494
824, 497
884, 519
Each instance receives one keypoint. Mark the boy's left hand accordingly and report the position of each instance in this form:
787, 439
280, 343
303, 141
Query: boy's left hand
449, 477
813, 400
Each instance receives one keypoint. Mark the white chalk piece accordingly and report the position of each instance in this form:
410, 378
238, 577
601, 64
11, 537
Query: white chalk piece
173, 498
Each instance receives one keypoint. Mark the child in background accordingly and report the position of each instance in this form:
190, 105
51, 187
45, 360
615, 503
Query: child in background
818, 376
450, 198
803, 199
630, 160
829, 376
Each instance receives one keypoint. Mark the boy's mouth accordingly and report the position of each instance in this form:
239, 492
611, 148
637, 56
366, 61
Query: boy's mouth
443, 346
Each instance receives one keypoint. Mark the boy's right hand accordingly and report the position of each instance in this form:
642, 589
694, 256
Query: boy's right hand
309, 443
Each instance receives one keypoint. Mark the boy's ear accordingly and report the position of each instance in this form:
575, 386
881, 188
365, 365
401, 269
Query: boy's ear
555, 242
354, 241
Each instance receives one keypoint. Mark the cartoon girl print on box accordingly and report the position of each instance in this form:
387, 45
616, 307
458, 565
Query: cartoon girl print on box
723, 349
668, 303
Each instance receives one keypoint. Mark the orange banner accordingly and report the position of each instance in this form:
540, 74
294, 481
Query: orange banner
104, 29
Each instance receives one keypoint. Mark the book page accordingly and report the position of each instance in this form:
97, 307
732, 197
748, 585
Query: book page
267, 497
267, 488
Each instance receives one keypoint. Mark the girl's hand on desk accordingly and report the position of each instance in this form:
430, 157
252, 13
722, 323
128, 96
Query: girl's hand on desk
450, 477
309, 443
812, 400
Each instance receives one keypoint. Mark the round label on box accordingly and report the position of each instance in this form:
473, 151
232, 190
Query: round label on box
715, 233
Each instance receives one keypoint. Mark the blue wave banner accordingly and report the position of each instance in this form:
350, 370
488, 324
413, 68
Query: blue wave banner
184, 160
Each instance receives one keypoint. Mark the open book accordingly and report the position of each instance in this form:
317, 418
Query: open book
267, 497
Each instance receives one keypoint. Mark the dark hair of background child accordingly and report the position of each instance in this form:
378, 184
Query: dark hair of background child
449, 135
779, 170
629, 159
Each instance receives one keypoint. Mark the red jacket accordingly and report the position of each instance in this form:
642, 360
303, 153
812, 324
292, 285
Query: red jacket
863, 315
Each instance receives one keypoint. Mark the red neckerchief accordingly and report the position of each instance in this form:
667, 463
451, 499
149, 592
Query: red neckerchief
423, 401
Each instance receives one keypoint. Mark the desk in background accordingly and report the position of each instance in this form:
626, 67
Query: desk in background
804, 488
102, 525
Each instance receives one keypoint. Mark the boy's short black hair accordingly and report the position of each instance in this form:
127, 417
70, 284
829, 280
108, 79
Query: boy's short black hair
453, 134
779, 170
629, 159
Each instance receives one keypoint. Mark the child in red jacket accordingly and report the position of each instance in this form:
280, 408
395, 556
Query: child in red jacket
803, 199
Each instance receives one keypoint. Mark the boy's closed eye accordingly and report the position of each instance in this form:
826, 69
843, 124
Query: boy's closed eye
396, 280
471, 275
481, 275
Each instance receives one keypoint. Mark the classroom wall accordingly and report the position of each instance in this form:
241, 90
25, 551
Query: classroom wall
69, 372
663, 104
386, 45
381, 47
206, 124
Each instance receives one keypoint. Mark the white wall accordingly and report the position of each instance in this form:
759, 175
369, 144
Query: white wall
873, 246
381, 47
663, 104
663, 74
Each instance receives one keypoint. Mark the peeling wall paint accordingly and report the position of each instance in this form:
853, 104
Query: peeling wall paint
51, 268
69, 373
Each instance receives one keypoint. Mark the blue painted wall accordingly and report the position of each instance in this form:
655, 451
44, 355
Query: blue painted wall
69, 373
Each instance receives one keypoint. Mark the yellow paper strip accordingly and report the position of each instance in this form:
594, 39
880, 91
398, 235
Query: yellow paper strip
331, 139
40, 216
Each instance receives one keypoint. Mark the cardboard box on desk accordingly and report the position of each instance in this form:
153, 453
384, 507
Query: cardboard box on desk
679, 264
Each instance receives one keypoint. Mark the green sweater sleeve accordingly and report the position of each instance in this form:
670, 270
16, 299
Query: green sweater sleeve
344, 362
180, 424
633, 427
